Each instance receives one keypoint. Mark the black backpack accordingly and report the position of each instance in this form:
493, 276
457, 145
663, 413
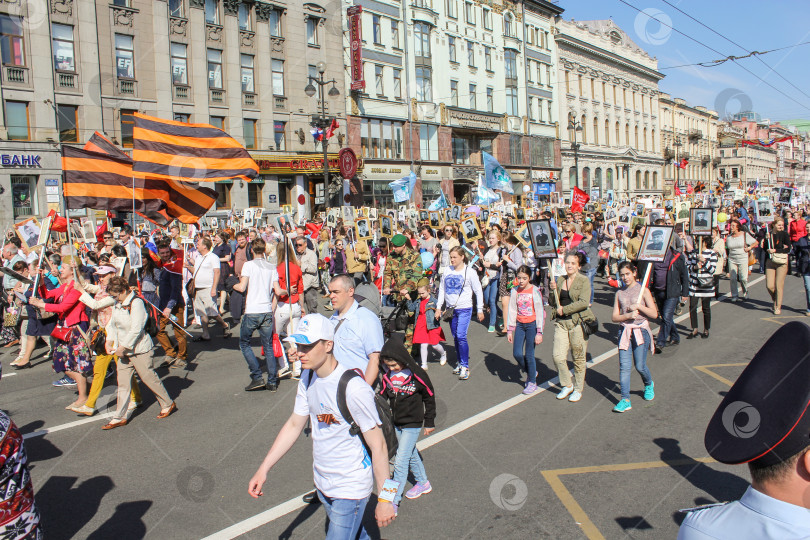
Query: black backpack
151, 326
383, 410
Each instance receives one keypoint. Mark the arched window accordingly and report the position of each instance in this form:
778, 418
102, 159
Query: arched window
586, 179
652, 140
609, 178
646, 179
655, 180
607, 132
645, 139
638, 179
595, 130
571, 119
618, 140
507, 24
597, 181
584, 129
635, 130
627, 134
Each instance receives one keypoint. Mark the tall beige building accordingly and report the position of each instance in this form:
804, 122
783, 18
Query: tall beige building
77, 66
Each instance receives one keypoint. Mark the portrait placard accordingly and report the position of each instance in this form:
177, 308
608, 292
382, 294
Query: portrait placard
700, 221
655, 243
541, 234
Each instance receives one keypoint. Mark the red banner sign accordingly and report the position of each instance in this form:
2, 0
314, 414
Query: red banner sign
348, 163
578, 199
355, 15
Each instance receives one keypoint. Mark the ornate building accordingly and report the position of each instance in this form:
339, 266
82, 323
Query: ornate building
609, 113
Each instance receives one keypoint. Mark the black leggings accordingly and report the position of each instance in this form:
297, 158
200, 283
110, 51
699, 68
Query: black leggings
706, 302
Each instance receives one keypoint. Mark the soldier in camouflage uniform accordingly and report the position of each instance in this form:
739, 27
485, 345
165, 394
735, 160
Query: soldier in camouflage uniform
403, 269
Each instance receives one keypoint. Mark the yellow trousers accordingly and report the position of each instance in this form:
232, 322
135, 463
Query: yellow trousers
99, 372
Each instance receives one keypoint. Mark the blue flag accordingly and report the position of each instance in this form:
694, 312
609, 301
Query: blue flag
496, 176
439, 204
485, 195
403, 188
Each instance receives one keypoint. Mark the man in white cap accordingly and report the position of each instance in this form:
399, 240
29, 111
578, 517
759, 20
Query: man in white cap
344, 472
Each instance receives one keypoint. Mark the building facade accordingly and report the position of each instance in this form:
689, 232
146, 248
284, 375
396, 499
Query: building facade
688, 133
87, 65
440, 82
609, 112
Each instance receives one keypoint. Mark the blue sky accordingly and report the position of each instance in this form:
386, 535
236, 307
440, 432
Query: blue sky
757, 26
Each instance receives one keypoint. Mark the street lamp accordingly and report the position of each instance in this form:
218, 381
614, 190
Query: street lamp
575, 126
322, 122
677, 144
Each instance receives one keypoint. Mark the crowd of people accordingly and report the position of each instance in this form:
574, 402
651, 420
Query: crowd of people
102, 314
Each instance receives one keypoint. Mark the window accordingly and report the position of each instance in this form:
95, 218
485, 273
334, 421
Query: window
380, 138
540, 116
511, 101
529, 64
217, 122
646, 179
278, 77
24, 195
247, 73
223, 195
127, 123
515, 149
487, 16
214, 68
423, 85
607, 132
249, 133
421, 37
451, 45
487, 58
618, 140
451, 9
593, 89
531, 109
549, 105
507, 25
17, 120
428, 142
244, 16
279, 135
454, 93
645, 139
548, 76
124, 53
67, 123
182, 117
627, 134
274, 22
378, 80
510, 63
655, 180
469, 12
635, 130
63, 55
584, 125
734, 172
376, 29
595, 131
395, 34
472, 97
567, 83
212, 11
312, 32
179, 63
579, 85
490, 104
609, 179
255, 194
638, 179
462, 148
397, 84
470, 54
176, 8
125, 3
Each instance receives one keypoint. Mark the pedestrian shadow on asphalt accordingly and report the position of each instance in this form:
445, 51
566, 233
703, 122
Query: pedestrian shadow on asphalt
174, 383
66, 509
307, 512
125, 523
718, 485
38, 448
603, 384
369, 520
507, 370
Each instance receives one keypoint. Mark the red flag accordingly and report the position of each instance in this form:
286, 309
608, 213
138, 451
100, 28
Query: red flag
313, 229
677, 190
689, 189
58, 223
578, 199
682, 165
100, 230
332, 128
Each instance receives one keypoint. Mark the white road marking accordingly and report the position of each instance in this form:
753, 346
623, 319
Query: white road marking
297, 503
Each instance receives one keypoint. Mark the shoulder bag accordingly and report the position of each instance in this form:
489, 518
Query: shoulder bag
191, 289
777, 258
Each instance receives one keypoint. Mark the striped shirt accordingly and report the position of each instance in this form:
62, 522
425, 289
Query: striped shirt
706, 273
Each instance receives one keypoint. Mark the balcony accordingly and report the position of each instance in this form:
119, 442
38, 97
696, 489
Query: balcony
421, 10
217, 95
705, 158
669, 153
66, 80
511, 42
695, 134
182, 93
280, 102
248, 100
126, 87
15, 74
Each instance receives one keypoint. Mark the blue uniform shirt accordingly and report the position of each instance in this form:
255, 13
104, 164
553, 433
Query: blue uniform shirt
359, 335
754, 516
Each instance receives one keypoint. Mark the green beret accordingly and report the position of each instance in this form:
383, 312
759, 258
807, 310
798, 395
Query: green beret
399, 240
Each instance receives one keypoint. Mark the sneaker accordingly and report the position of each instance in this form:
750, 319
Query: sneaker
443, 359
178, 364
396, 509
272, 386
256, 384
64, 381
491, 329
530, 388
418, 490
565, 392
622, 406
649, 392
456, 370
576, 395
464, 374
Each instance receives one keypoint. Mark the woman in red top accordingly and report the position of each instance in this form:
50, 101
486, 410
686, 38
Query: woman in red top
71, 354
289, 309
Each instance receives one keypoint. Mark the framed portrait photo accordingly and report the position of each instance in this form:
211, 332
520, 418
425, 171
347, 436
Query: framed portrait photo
485, 216
331, 219
655, 243
655, 214
700, 221
423, 215
522, 234
639, 209
386, 228
347, 213
785, 195
435, 219
29, 231
470, 229
247, 218
372, 213
541, 235
765, 211
88, 232
45, 231
362, 228
413, 224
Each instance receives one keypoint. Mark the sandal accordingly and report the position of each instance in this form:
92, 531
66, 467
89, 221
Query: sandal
226, 331
113, 425
692, 335
167, 412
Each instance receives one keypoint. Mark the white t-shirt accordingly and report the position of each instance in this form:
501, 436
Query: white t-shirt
204, 268
261, 276
456, 290
340, 463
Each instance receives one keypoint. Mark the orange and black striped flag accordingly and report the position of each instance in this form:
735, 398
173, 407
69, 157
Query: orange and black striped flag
101, 144
102, 181
165, 149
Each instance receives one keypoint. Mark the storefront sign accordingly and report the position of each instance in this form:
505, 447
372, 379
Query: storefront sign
348, 163
51, 181
544, 175
544, 188
474, 120
19, 160
355, 16
299, 164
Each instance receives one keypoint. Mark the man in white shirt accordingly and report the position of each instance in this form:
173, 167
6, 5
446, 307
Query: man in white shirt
205, 272
258, 281
174, 232
344, 472
308, 262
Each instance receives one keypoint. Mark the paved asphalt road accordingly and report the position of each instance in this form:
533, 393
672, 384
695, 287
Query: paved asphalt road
501, 465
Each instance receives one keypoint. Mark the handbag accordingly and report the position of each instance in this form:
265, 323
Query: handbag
11, 316
589, 326
191, 289
603, 254
752, 259
777, 258
447, 315
61, 333
98, 341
